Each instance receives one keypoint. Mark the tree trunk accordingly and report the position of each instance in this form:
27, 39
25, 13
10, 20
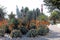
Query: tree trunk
54, 21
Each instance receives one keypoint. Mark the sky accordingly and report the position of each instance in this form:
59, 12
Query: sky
31, 4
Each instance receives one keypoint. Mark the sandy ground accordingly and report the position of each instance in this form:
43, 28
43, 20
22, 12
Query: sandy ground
54, 34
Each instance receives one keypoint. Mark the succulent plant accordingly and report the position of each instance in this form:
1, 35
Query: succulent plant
16, 33
43, 30
23, 29
33, 27
7, 29
2, 32
32, 33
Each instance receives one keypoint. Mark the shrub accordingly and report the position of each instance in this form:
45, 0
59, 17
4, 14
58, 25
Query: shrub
16, 33
23, 29
15, 22
2, 32
33, 27
43, 30
32, 33
7, 29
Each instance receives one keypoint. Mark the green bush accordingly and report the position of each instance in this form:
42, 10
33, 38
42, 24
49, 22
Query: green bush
2, 32
23, 29
16, 33
32, 33
43, 30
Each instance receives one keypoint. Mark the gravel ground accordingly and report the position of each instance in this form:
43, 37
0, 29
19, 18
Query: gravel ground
54, 34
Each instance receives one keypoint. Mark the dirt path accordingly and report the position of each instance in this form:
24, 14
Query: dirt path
54, 33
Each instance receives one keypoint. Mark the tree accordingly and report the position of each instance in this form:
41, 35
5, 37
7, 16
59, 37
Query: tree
52, 4
26, 9
30, 15
18, 12
24, 12
37, 12
34, 14
55, 15
2, 13
11, 15
13, 20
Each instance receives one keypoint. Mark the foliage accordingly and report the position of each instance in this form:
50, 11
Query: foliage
37, 12
2, 13
32, 33
52, 4
11, 21
18, 12
30, 15
23, 29
32, 26
43, 30
27, 15
22, 10
42, 17
26, 9
7, 29
11, 18
2, 32
55, 15
16, 33
15, 22
24, 22
11, 15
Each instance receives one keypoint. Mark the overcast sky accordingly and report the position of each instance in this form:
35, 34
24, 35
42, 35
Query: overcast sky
32, 4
